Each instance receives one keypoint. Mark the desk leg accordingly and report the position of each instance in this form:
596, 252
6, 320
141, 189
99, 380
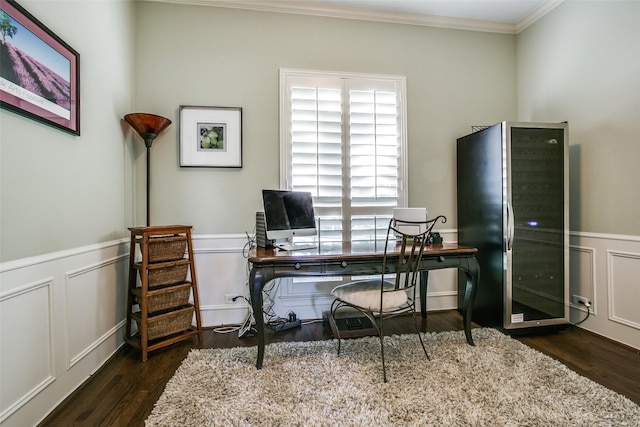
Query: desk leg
472, 273
256, 281
424, 280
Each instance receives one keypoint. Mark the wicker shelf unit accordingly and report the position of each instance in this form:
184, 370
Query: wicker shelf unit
162, 290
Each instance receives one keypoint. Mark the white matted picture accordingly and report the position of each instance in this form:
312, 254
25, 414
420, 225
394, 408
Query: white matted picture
211, 137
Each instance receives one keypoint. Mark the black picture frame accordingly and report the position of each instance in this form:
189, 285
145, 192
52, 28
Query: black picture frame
39, 72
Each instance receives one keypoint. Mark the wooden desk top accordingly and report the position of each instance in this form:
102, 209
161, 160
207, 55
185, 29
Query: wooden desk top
327, 251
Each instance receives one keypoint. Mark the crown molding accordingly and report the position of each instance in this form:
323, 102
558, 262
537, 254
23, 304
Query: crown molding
536, 14
345, 12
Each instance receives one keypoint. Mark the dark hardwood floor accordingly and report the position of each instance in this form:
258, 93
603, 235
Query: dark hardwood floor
123, 392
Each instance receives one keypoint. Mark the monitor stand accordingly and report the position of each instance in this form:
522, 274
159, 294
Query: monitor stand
287, 245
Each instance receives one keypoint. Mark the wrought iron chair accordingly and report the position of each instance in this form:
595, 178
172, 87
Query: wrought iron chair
394, 292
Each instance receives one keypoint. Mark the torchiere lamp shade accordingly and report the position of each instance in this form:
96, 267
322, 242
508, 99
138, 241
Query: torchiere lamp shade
147, 125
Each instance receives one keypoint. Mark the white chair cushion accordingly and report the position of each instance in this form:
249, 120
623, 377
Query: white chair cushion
366, 294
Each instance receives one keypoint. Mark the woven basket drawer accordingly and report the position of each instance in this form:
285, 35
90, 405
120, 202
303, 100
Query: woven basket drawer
163, 299
166, 248
168, 275
170, 323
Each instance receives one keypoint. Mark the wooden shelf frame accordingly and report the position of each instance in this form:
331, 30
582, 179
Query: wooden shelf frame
139, 295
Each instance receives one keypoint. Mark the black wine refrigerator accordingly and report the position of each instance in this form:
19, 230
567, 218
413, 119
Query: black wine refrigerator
512, 205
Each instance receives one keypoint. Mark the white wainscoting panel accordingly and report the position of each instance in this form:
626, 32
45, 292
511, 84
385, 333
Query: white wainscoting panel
26, 353
222, 270
624, 287
96, 307
582, 262
442, 289
62, 317
606, 269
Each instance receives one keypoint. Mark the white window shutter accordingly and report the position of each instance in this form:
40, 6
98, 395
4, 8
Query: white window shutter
375, 148
316, 140
342, 139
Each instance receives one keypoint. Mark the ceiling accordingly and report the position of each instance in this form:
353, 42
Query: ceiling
503, 16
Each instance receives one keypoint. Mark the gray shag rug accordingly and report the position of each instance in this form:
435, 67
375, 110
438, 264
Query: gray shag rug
499, 382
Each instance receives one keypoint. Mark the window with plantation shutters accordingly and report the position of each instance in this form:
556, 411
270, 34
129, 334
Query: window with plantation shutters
343, 139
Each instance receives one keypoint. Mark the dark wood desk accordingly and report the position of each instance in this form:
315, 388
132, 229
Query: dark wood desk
345, 259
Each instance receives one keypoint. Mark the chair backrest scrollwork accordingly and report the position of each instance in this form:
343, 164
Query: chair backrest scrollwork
411, 248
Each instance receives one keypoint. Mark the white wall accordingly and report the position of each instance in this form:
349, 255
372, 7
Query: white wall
581, 63
210, 56
65, 202
60, 191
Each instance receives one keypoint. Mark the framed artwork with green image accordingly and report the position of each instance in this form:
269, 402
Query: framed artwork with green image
210, 137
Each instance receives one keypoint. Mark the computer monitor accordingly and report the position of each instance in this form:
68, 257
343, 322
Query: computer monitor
288, 214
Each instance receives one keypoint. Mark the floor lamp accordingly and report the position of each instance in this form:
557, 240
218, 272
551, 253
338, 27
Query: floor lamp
149, 127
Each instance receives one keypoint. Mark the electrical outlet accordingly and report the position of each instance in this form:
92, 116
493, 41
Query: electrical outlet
228, 299
579, 300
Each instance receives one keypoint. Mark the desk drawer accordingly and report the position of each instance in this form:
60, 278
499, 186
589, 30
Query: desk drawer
351, 268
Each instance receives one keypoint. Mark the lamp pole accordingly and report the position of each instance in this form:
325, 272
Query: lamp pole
148, 142
148, 126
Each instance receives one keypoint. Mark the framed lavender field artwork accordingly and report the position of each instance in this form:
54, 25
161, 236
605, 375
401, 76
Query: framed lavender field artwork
39, 72
210, 137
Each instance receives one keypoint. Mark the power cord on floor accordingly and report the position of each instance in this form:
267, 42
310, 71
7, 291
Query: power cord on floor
246, 328
226, 329
587, 305
271, 319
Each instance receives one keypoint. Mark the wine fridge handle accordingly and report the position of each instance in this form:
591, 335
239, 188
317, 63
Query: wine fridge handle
510, 227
